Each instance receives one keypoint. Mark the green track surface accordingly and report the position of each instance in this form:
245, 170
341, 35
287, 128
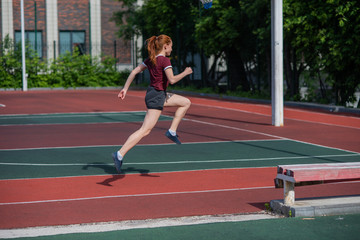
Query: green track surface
96, 160
80, 161
74, 118
319, 228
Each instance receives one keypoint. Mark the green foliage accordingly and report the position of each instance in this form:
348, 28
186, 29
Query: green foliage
320, 39
69, 70
221, 31
267, 207
10, 65
326, 34
223, 27
127, 18
321, 47
217, 29
155, 17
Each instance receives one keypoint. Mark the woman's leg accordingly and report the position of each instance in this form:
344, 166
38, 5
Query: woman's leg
183, 104
151, 118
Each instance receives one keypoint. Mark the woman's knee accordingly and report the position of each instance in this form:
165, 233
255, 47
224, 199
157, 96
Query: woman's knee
145, 132
187, 103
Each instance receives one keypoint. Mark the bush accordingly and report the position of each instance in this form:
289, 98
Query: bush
10, 65
69, 70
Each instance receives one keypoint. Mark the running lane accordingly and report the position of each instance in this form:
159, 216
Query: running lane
156, 206
57, 201
50, 189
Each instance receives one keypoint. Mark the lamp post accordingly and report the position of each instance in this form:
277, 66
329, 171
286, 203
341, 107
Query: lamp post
24, 80
277, 98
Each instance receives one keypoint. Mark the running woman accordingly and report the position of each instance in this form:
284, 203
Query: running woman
161, 74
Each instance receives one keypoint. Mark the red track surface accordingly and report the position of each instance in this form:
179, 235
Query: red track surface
36, 136
134, 184
157, 206
159, 194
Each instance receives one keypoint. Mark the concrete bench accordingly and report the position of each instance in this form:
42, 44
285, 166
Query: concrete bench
302, 174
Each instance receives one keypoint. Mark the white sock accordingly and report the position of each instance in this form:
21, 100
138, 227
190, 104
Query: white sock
173, 133
119, 156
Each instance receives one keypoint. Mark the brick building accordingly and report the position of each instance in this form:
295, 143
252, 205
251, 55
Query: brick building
53, 27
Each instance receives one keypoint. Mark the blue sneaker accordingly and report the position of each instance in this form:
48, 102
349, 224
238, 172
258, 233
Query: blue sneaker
172, 138
117, 162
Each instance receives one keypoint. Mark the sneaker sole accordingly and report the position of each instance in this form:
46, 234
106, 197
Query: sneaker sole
117, 163
172, 138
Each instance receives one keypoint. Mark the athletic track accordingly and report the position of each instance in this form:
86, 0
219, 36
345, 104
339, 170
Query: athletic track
67, 200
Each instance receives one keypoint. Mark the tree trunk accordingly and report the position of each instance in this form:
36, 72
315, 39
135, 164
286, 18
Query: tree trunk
237, 73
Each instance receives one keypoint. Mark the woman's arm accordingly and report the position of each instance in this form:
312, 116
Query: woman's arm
174, 79
129, 80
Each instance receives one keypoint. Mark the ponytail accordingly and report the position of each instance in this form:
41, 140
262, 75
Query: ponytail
155, 45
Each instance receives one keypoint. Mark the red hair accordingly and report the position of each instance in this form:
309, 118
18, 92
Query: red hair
155, 45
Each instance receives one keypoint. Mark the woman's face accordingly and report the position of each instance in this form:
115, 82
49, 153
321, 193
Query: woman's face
168, 49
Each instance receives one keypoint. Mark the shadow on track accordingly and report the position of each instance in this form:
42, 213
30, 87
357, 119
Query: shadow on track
114, 175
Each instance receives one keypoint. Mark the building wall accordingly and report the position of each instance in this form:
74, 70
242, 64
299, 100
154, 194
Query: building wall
74, 16
108, 35
29, 17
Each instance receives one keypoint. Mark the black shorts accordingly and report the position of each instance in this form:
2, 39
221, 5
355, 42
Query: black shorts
155, 99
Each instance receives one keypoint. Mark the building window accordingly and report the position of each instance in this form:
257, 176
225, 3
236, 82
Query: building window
71, 40
31, 40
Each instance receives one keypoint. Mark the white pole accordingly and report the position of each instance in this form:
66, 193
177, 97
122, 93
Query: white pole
277, 98
24, 80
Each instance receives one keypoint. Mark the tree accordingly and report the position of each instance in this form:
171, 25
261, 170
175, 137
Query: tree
326, 35
155, 17
10, 64
221, 31
258, 14
216, 33
320, 40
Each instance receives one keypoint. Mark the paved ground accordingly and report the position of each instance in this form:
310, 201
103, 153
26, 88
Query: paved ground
238, 227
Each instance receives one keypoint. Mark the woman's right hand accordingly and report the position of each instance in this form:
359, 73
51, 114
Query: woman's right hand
122, 94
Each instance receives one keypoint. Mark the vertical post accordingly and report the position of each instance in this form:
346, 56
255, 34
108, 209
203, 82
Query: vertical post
54, 49
36, 46
277, 100
115, 54
24, 80
90, 28
203, 83
52, 29
134, 57
289, 193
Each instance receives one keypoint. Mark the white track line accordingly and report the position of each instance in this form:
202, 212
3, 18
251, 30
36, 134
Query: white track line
62, 124
152, 194
232, 109
130, 224
151, 144
135, 195
295, 119
180, 162
150, 173
236, 128
64, 113
67, 115
327, 124
265, 134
